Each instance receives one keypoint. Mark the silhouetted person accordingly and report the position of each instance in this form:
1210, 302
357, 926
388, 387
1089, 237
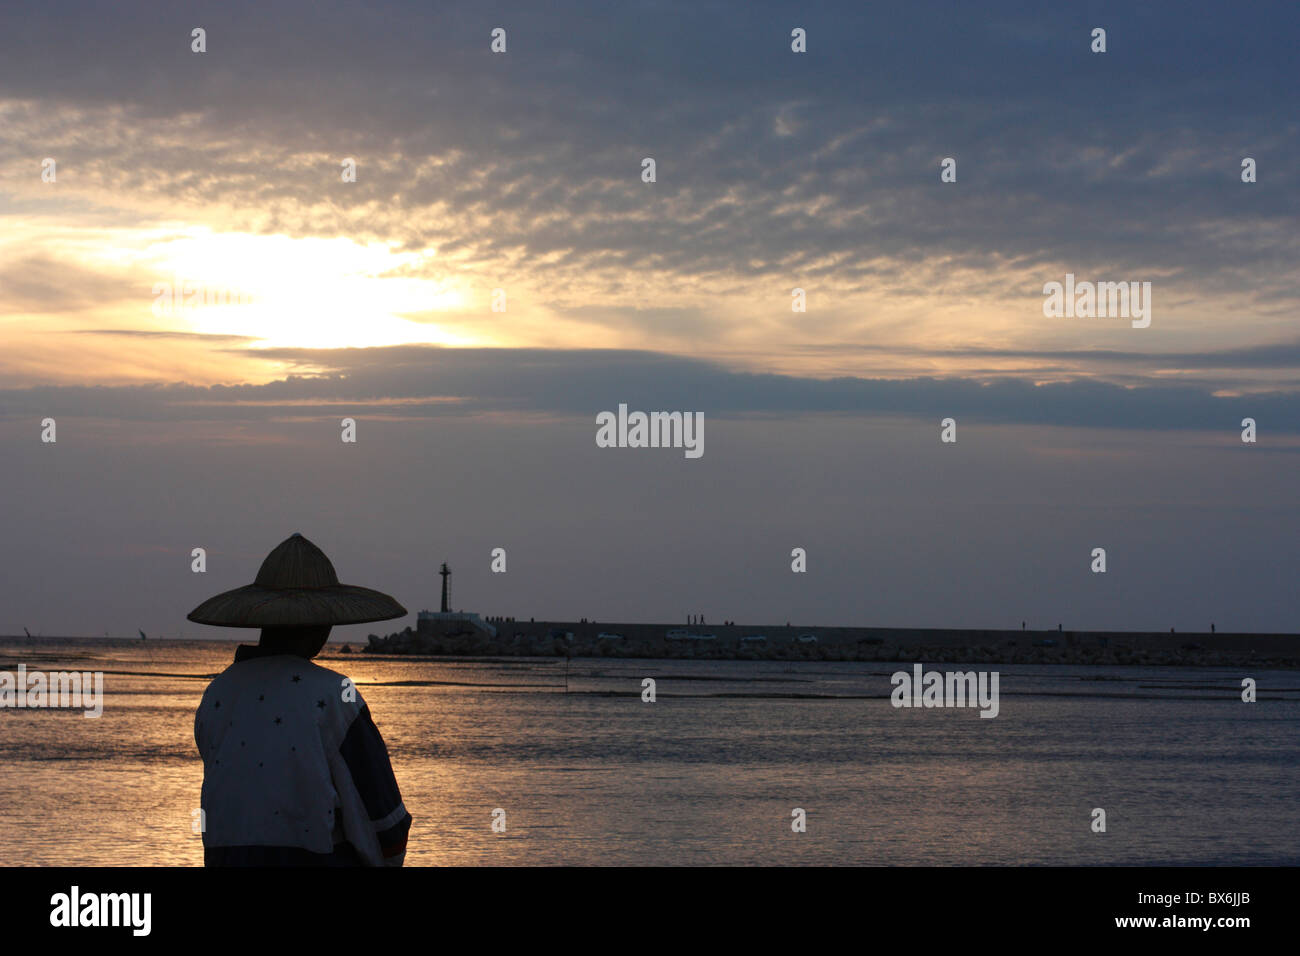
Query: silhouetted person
294, 770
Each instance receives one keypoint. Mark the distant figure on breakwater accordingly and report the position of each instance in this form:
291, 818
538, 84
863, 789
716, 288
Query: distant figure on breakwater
294, 770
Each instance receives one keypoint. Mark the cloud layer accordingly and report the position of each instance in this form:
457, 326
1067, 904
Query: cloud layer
775, 169
412, 382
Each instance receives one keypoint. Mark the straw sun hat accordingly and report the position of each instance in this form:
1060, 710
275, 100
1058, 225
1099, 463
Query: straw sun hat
296, 587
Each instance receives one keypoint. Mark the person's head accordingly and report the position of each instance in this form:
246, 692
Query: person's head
295, 599
302, 641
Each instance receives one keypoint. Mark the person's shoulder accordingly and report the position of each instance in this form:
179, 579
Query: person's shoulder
345, 693
225, 684
219, 680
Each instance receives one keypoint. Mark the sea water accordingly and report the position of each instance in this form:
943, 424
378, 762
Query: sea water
712, 772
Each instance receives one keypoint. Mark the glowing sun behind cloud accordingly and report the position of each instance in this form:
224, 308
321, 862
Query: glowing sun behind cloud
298, 293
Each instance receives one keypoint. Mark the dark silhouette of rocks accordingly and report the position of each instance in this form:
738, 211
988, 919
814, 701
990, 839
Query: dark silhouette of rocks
725, 642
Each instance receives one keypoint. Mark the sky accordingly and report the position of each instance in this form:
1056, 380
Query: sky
132, 165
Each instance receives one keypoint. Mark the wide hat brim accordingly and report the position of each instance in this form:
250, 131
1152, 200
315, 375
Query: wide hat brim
257, 606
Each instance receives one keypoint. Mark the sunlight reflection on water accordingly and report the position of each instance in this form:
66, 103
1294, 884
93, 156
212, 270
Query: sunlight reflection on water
599, 777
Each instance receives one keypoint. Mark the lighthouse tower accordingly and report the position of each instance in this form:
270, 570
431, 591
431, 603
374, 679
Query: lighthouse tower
449, 623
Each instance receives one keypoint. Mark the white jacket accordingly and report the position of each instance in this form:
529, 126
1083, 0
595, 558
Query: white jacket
294, 769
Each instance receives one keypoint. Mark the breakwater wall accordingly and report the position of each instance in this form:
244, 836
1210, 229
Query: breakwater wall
795, 642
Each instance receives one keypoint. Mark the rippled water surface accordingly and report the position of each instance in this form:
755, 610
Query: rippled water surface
708, 774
